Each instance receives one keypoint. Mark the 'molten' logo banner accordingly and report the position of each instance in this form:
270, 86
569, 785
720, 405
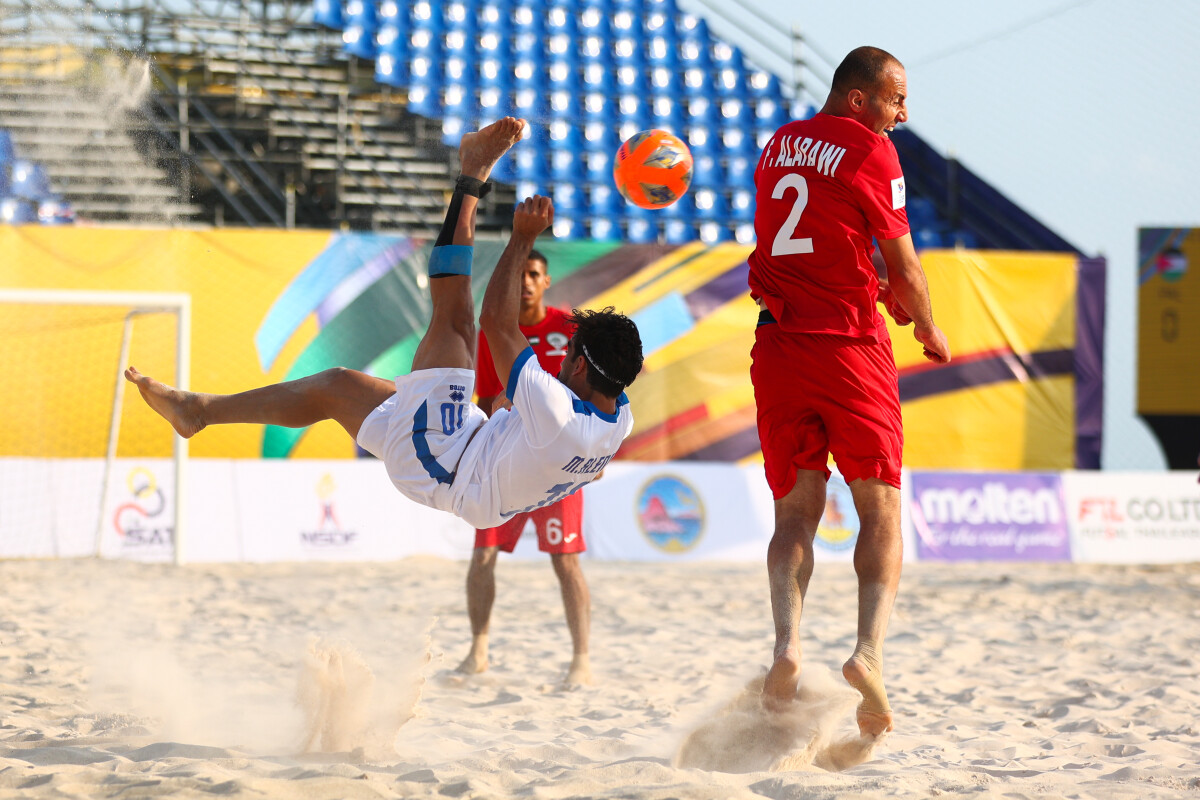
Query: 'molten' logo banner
990, 517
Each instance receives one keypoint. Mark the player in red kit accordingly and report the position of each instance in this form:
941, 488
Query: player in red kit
560, 525
823, 371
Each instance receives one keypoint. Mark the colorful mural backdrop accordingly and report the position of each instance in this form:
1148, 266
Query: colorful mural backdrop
1023, 391
1169, 340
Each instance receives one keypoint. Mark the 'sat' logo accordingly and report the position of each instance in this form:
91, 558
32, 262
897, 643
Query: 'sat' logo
138, 519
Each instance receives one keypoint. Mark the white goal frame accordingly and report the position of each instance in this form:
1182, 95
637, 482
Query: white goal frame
138, 303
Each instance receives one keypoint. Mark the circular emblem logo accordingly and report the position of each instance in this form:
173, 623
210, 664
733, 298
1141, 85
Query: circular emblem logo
670, 514
838, 529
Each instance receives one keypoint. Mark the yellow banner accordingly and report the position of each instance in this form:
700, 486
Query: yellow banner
1010, 319
1169, 322
269, 305
233, 277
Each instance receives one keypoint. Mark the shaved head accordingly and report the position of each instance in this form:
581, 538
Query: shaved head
863, 68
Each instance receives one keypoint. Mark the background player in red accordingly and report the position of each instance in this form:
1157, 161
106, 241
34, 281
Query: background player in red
823, 371
560, 525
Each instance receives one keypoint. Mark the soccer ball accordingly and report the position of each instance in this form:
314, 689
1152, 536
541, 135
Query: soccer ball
652, 169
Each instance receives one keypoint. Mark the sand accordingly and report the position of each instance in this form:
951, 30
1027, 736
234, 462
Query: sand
336, 681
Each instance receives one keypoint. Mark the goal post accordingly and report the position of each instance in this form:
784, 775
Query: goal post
62, 383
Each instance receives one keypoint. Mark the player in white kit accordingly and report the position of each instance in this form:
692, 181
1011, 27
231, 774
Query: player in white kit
438, 447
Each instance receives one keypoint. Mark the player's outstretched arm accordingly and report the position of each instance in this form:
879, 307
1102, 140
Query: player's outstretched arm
498, 317
906, 281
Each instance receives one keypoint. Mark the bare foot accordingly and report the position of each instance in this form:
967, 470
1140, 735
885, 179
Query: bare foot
476, 660
579, 673
874, 714
181, 409
479, 151
779, 688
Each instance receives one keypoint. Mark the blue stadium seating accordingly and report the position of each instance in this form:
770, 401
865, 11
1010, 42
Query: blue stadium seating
739, 171
771, 114
683, 209
7, 155
531, 165
741, 205
329, 13
28, 181
714, 232
640, 230
392, 43
598, 165
17, 211
710, 204
603, 228
961, 237
927, 237
921, 213
740, 142
361, 25
677, 231
604, 68
568, 199
604, 200
706, 169
567, 164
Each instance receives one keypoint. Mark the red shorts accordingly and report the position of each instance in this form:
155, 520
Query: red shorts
819, 394
559, 528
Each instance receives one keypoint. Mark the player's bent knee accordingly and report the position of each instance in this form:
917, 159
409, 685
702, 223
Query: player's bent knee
337, 379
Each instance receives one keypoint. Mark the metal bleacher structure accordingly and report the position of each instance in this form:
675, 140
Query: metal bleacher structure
347, 113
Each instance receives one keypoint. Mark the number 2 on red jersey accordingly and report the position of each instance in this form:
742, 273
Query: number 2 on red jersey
785, 244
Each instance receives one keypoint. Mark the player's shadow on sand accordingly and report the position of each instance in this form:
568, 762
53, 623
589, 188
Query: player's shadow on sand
743, 737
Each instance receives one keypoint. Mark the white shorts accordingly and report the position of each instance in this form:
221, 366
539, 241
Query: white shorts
421, 431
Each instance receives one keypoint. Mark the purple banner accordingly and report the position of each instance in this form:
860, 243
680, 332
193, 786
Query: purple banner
990, 516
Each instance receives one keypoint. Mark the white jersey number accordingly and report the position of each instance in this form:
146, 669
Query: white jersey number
452, 417
784, 244
554, 531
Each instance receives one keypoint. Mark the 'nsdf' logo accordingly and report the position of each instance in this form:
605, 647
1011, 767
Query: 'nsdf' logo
328, 533
670, 514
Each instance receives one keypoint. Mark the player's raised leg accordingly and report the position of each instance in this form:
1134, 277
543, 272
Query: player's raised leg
449, 342
481, 595
789, 568
878, 557
577, 605
343, 395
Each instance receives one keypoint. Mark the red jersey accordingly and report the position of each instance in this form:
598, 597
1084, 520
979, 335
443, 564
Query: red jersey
548, 339
825, 186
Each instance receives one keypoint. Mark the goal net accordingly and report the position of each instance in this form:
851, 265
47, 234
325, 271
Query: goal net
86, 468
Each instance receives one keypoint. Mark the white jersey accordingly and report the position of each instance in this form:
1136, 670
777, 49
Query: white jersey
549, 445
441, 451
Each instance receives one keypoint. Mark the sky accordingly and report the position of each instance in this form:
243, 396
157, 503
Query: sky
1083, 112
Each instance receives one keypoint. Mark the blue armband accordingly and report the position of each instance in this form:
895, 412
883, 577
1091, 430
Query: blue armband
451, 259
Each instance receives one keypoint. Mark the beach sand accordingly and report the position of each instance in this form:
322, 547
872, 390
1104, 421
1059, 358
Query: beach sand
337, 681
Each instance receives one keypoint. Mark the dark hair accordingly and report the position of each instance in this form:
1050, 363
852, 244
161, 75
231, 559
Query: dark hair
538, 255
863, 69
610, 344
